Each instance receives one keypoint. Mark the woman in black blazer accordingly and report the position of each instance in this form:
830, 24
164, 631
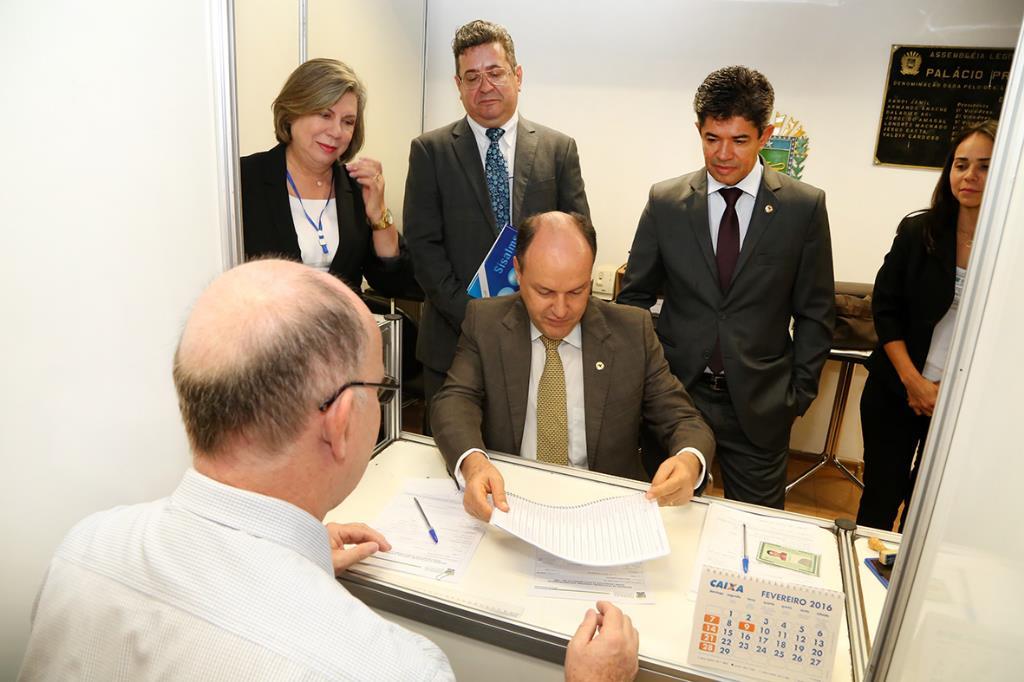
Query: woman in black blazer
307, 198
915, 300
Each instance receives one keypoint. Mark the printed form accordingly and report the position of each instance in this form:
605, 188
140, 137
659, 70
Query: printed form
559, 579
609, 532
412, 549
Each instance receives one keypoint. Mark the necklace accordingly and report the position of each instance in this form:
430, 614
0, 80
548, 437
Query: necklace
320, 182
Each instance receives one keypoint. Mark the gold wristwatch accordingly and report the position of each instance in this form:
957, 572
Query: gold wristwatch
386, 221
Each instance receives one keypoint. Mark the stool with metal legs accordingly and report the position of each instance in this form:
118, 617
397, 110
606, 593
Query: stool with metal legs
847, 360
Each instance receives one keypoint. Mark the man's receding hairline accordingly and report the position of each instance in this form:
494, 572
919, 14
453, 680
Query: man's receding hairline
259, 321
247, 365
559, 219
254, 321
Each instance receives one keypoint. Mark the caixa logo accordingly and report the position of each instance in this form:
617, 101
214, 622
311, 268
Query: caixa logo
726, 585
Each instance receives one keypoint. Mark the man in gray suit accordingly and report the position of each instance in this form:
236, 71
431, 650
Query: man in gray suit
468, 179
739, 251
555, 375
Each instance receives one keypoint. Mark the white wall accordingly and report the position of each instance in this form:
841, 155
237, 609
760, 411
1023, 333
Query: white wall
267, 50
111, 210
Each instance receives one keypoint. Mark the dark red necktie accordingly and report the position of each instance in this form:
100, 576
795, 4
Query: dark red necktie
727, 253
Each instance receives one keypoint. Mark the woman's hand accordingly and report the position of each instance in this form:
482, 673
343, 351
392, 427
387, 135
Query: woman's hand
921, 395
370, 176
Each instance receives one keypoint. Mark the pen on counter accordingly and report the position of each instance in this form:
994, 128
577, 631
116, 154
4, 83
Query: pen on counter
430, 527
746, 561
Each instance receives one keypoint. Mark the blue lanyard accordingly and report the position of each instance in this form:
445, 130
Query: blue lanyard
319, 224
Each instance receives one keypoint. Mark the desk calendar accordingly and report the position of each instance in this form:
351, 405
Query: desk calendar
761, 629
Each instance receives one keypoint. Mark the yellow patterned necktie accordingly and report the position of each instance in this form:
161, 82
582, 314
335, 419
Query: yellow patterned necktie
552, 422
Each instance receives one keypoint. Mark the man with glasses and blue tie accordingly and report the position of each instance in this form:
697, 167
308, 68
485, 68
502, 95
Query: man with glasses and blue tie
279, 378
467, 180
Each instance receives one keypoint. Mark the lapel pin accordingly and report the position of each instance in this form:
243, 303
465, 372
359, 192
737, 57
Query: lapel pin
599, 365
769, 208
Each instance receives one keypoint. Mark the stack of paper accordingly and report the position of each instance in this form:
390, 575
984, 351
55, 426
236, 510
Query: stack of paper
609, 532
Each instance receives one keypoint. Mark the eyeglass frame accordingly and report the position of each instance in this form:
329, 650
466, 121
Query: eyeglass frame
486, 74
386, 391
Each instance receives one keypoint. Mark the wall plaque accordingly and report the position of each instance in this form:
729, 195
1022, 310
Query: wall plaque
931, 93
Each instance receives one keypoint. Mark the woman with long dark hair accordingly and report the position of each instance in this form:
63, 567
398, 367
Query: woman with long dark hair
915, 302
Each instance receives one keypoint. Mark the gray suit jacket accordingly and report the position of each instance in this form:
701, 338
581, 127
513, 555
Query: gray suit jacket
450, 226
784, 271
625, 381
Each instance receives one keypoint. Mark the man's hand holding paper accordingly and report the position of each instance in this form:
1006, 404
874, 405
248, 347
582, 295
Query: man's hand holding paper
675, 480
482, 479
366, 543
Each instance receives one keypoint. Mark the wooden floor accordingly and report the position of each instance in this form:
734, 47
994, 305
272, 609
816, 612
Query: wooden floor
827, 494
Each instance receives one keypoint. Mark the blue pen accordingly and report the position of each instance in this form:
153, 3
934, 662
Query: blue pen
430, 528
746, 561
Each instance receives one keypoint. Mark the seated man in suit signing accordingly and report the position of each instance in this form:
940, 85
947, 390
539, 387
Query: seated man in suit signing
554, 375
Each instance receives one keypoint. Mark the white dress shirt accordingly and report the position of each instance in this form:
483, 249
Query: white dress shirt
942, 335
571, 353
309, 243
212, 583
506, 145
744, 205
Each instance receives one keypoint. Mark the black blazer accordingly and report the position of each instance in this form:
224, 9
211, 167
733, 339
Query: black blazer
913, 290
268, 229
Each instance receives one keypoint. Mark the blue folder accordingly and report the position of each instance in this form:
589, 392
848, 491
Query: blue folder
496, 276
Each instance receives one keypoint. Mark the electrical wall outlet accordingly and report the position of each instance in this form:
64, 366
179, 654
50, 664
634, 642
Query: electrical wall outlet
604, 279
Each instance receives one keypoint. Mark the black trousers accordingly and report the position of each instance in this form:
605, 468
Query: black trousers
749, 473
893, 435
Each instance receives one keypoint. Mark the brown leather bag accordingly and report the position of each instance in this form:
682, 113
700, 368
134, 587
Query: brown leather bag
855, 325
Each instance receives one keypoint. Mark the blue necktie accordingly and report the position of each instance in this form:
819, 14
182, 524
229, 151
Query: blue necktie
497, 178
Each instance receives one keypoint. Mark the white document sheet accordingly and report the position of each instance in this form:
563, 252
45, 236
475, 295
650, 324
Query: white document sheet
721, 544
412, 549
560, 579
609, 532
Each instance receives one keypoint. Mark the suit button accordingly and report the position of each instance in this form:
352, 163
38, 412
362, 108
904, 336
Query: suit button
707, 354
722, 316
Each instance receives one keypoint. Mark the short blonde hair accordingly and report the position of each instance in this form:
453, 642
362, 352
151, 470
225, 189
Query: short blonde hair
313, 87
